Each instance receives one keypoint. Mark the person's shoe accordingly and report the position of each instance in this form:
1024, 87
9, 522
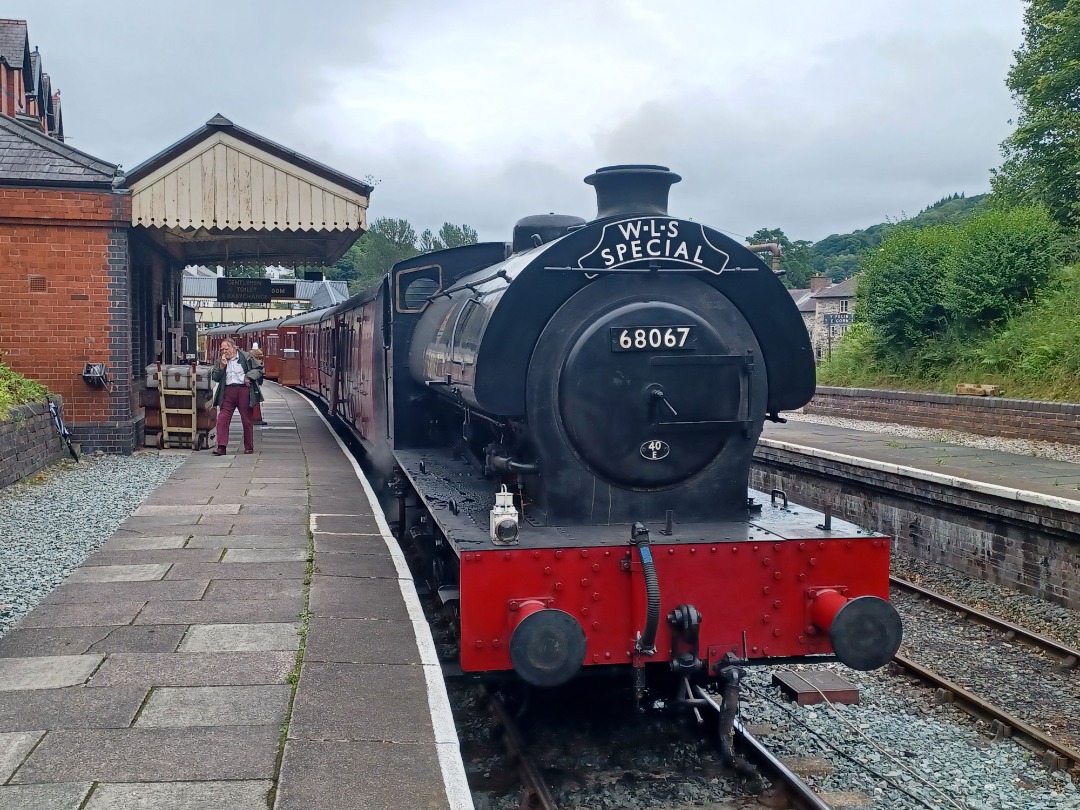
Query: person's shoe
220, 451
248, 452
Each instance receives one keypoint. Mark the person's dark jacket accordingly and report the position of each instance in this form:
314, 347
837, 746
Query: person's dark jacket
253, 370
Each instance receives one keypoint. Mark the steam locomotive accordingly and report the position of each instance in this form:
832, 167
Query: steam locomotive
568, 423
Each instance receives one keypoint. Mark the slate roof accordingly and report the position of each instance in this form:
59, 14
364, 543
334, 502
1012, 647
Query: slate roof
319, 293
29, 158
804, 301
845, 289
14, 44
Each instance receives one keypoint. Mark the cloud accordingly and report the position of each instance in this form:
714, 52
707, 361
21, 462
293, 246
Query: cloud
816, 118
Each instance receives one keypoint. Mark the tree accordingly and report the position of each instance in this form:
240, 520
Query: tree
796, 258
449, 236
899, 293
1042, 157
388, 242
1002, 257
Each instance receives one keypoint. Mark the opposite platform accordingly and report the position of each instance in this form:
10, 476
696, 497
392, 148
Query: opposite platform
249, 637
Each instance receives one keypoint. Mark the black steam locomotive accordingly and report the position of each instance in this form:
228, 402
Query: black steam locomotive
569, 423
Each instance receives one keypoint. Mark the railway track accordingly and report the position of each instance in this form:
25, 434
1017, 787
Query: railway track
536, 794
1003, 723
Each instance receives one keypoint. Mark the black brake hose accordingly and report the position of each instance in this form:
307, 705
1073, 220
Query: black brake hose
646, 643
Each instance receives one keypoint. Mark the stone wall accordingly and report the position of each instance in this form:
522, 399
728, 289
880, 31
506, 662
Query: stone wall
28, 442
1032, 546
989, 416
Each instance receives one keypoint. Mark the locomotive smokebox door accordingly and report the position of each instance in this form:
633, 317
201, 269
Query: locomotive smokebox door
657, 379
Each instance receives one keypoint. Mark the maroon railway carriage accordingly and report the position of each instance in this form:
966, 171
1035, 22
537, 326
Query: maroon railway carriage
569, 422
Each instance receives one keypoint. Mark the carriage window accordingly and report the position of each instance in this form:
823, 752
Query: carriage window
415, 286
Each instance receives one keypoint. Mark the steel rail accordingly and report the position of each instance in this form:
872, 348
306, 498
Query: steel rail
1069, 656
536, 792
798, 792
974, 703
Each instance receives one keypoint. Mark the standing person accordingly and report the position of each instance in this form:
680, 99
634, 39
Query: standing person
237, 375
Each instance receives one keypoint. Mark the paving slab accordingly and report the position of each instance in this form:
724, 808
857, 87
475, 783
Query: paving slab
274, 492
254, 589
349, 598
345, 524
118, 573
350, 543
359, 641
149, 638
216, 706
187, 509
51, 641
379, 566
278, 570
195, 669
160, 521
296, 481
81, 615
46, 671
138, 542
246, 795
72, 593
165, 556
266, 524
73, 707
276, 509
326, 776
252, 555
14, 748
153, 755
360, 702
63, 796
294, 540
222, 611
242, 637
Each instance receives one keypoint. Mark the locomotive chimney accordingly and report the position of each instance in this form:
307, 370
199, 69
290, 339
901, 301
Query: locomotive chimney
633, 189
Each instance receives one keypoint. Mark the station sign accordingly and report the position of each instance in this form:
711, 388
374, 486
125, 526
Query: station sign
253, 290
839, 318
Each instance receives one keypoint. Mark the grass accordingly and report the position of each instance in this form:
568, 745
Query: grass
1034, 355
16, 389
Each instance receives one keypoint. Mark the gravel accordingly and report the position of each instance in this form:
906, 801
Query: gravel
900, 741
51, 521
1022, 447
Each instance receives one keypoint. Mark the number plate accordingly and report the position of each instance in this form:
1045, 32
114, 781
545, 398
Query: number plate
652, 338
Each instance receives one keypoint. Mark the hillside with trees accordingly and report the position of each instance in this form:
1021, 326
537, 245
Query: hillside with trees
838, 256
994, 297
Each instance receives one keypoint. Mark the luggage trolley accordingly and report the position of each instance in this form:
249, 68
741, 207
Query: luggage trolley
180, 389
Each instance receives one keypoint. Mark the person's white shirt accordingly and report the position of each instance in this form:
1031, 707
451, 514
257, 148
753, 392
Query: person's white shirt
234, 372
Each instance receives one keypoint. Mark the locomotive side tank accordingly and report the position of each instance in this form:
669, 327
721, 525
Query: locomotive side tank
572, 419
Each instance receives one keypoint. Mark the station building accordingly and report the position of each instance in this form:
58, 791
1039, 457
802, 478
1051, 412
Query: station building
92, 260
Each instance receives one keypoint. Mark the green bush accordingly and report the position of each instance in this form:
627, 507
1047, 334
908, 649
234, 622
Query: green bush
899, 292
18, 390
1000, 258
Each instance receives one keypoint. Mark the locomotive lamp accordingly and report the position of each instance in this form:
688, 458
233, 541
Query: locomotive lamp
504, 519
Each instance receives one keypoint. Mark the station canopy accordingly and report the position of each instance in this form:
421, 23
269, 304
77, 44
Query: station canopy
224, 195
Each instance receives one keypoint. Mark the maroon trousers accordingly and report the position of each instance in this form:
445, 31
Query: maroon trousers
236, 398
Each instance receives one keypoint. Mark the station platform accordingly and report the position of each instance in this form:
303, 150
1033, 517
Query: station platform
249, 638
994, 472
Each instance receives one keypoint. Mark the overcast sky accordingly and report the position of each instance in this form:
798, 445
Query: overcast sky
816, 117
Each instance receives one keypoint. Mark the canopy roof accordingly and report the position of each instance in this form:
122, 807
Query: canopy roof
224, 195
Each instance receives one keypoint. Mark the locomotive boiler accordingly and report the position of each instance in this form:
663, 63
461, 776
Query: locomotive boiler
571, 420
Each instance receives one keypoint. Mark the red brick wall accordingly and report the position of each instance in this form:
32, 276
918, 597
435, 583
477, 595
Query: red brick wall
988, 416
60, 241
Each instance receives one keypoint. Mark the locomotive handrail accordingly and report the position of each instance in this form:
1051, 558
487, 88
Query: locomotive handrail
472, 285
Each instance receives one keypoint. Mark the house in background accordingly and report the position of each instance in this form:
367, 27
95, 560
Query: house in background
827, 310
26, 92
